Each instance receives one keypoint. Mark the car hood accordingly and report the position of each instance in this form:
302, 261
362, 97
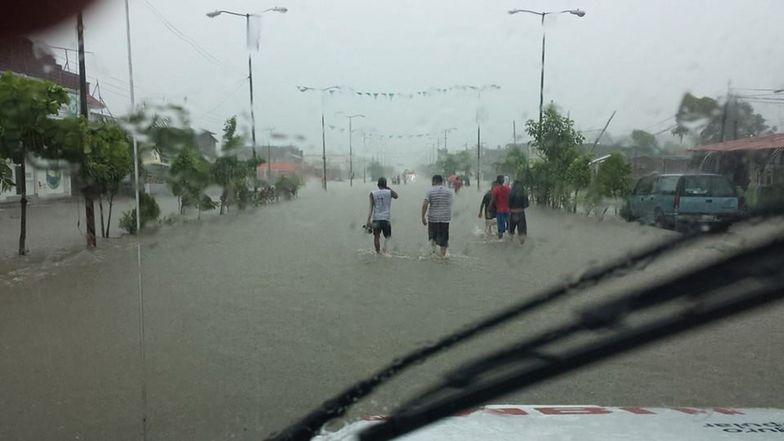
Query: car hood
591, 423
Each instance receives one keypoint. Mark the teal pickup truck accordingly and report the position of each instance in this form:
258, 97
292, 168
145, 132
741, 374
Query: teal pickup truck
684, 200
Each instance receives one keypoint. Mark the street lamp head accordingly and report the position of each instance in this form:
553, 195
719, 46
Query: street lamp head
214, 14
282, 10
577, 12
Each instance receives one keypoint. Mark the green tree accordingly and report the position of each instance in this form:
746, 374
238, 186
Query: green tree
231, 141
232, 174
464, 162
26, 106
578, 176
375, 170
514, 163
288, 185
644, 142
189, 177
447, 164
107, 161
613, 179
150, 212
706, 121
558, 142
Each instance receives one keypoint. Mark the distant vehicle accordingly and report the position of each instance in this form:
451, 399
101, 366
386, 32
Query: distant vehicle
685, 200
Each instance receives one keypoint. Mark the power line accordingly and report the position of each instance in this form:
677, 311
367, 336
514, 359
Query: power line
182, 36
234, 87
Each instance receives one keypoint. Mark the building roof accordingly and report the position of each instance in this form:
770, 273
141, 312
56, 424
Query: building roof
767, 142
20, 55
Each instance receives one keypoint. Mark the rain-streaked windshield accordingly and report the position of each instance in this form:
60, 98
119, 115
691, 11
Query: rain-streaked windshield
215, 215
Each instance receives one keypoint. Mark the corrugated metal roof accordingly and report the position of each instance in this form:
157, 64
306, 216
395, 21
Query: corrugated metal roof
767, 142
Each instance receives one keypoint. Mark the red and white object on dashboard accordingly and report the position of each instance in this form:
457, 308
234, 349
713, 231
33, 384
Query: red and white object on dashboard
591, 423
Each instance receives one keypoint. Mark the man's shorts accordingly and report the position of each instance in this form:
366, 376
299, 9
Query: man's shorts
517, 222
438, 232
382, 226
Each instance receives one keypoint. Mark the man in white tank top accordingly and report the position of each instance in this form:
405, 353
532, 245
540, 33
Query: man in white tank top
380, 213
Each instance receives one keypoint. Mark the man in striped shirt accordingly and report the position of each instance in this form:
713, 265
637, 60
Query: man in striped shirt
437, 213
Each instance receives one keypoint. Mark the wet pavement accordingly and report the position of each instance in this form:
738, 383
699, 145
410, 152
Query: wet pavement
254, 318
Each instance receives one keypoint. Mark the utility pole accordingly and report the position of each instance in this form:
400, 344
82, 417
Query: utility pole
364, 161
478, 155
514, 133
724, 113
324, 152
269, 161
350, 157
89, 205
253, 116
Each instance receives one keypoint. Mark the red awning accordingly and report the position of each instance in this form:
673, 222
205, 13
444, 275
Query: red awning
767, 142
281, 167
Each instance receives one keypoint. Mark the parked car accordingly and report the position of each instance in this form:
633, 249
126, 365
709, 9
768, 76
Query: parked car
684, 200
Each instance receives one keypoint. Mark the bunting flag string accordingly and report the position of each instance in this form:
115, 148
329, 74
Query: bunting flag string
383, 136
433, 91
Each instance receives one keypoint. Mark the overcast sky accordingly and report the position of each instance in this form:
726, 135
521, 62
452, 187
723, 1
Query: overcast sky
636, 57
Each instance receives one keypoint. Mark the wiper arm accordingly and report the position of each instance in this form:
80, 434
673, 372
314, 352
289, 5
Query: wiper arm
755, 279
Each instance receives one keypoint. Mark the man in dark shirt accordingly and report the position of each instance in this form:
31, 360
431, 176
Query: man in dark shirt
518, 202
487, 209
501, 200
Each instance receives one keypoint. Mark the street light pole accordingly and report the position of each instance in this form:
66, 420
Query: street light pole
445, 132
250, 87
89, 206
576, 12
350, 150
541, 79
250, 65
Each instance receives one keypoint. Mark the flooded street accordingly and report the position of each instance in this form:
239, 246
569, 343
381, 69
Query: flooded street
254, 318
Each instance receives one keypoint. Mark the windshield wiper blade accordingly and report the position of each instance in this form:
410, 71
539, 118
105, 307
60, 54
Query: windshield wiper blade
764, 261
310, 424
611, 313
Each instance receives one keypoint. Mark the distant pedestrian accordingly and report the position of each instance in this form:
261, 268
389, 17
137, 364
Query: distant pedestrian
380, 214
437, 213
518, 202
501, 200
487, 210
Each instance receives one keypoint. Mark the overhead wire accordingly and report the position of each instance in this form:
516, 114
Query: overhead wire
184, 37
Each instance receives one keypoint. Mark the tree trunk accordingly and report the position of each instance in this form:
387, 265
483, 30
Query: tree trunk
576, 194
89, 214
100, 209
109, 218
23, 217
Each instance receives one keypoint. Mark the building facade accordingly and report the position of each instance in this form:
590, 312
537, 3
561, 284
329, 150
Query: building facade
45, 179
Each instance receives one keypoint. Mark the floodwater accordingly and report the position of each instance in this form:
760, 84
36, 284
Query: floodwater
253, 318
